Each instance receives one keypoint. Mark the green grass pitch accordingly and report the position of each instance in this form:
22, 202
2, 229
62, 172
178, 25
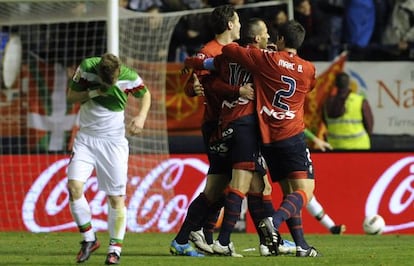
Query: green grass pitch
22, 248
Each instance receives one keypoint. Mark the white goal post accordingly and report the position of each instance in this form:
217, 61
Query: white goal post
41, 43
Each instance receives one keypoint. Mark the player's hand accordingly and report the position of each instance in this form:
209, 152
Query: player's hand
198, 88
247, 91
321, 144
136, 125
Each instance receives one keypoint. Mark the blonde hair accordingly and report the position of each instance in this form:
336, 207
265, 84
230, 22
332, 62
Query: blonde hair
108, 68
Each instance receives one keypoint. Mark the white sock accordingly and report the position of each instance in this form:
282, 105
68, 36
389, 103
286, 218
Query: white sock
117, 227
317, 211
81, 213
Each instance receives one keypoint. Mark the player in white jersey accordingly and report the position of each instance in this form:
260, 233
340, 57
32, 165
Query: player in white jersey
102, 85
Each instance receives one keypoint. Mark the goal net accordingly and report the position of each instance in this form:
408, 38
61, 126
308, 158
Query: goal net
41, 44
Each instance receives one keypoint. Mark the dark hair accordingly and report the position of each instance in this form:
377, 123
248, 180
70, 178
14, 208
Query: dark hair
108, 68
296, 3
250, 30
342, 81
220, 18
293, 34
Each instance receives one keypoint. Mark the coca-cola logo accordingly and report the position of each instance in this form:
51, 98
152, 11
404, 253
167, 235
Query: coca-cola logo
395, 185
159, 211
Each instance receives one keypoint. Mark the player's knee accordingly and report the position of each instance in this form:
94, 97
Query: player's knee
116, 202
75, 189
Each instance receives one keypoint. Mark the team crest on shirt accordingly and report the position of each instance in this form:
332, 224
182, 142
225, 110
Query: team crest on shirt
77, 75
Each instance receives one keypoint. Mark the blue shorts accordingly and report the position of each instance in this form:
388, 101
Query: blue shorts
239, 146
218, 164
289, 158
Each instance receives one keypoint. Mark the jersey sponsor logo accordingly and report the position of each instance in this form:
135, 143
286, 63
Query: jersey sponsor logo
227, 133
233, 104
278, 115
219, 148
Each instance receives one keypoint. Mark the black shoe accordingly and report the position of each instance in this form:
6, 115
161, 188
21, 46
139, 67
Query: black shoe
112, 258
271, 235
310, 252
338, 229
87, 247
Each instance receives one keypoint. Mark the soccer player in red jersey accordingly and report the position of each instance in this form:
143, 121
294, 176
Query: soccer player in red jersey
281, 80
203, 211
237, 139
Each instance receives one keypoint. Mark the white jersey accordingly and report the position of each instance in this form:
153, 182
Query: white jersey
99, 121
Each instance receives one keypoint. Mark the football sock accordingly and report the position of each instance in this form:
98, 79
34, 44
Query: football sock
269, 210
195, 215
211, 221
232, 209
317, 211
290, 205
294, 224
256, 209
117, 226
81, 213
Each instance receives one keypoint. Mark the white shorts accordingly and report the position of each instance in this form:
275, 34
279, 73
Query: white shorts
107, 156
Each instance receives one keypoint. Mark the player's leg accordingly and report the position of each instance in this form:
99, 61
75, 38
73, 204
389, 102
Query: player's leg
301, 190
202, 211
239, 186
243, 149
202, 236
316, 210
291, 166
117, 217
113, 181
217, 195
260, 206
79, 170
193, 220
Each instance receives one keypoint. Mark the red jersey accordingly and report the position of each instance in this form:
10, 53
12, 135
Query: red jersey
281, 81
211, 101
232, 76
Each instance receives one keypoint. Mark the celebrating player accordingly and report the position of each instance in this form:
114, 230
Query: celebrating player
238, 138
281, 80
203, 211
102, 85
237, 141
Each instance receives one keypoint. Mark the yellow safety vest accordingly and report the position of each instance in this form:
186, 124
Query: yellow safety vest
347, 131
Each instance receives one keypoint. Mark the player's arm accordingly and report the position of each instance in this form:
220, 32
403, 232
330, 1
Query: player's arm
220, 87
74, 96
193, 87
247, 57
137, 123
214, 82
78, 93
319, 143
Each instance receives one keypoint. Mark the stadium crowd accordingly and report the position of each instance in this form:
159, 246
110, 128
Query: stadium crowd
370, 30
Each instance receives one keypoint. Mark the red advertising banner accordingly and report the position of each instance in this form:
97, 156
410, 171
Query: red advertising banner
348, 185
